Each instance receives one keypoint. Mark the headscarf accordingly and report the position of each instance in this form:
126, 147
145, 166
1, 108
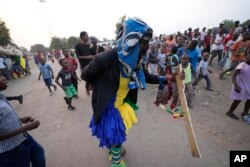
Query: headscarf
129, 36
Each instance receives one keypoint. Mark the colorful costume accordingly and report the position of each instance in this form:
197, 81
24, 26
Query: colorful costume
116, 77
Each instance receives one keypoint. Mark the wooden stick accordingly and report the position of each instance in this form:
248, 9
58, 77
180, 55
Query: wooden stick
187, 119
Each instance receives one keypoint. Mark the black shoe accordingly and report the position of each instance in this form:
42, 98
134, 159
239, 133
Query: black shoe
244, 114
232, 115
20, 99
209, 89
71, 108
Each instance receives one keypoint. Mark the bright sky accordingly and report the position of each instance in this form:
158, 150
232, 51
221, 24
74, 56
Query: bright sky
31, 21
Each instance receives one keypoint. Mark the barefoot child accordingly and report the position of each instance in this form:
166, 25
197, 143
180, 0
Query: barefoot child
241, 87
188, 73
67, 86
47, 74
203, 71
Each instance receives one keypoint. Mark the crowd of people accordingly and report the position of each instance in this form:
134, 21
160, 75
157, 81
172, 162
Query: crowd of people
115, 75
195, 51
14, 67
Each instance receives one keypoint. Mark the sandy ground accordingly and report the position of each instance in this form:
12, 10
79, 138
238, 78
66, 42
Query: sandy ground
157, 139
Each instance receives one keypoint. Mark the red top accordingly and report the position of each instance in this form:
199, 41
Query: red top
226, 39
72, 63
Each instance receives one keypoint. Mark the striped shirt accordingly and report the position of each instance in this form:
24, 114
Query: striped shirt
9, 121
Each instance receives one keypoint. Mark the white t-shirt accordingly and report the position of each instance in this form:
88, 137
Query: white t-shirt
238, 30
204, 67
161, 58
203, 35
218, 39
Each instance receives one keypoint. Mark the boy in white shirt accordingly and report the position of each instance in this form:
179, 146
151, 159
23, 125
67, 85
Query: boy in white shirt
162, 57
203, 71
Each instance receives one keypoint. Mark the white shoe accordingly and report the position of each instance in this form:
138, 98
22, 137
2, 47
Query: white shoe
51, 93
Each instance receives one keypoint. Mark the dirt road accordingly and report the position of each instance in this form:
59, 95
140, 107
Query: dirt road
157, 140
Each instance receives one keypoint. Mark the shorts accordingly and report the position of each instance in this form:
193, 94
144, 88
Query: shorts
70, 91
48, 81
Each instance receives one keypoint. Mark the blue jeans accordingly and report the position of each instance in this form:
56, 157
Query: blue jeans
29, 151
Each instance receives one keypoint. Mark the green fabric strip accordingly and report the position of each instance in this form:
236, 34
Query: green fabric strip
133, 105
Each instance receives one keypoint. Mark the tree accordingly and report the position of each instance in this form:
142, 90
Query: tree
118, 25
23, 49
58, 43
105, 39
4, 34
245, 23
38, 48
228, 24
72, 41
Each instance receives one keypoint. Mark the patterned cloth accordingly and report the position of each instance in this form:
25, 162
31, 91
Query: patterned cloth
128, 49
9, 121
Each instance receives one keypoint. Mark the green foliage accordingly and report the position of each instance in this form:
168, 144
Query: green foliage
56, 43
59, 43
228, 24
246, 23
118, 25
72, 41
38, 48
120, 22
23, 49
4, 34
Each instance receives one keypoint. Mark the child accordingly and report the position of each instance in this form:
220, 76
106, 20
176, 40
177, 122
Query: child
66, 85
229, 52
47, 74
174, 59
152, 60
241, 87
187, 74
161, 57
203, 71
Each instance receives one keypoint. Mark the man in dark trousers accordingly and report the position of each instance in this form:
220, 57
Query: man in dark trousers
116, 76
83, 54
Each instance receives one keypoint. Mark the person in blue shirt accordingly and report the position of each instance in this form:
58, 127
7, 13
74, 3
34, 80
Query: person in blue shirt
193, 54
47, 74
181, 49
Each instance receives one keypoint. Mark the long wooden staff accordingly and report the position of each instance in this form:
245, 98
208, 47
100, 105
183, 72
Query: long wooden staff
187, 119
